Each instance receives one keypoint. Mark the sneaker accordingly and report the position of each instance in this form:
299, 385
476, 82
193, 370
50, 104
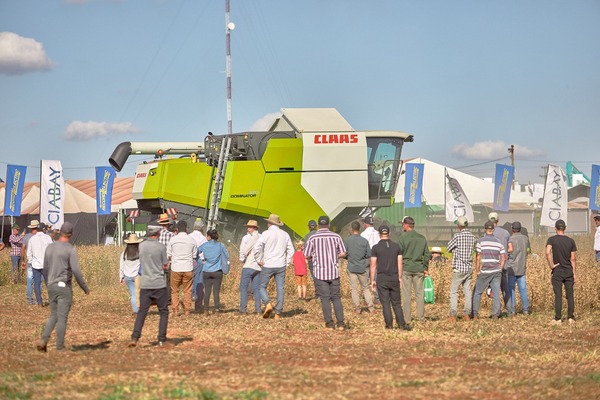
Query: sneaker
268, 311
556, 322
133, 343
278, 316
161, 344
571, 320
451, 318
41, 346
341, 328
467, 317
405, 327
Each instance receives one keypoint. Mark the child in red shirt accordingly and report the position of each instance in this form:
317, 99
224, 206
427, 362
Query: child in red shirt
300, 270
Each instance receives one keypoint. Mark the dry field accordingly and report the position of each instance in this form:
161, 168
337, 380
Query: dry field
230, 357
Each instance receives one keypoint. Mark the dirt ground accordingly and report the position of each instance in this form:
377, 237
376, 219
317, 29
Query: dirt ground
227, 356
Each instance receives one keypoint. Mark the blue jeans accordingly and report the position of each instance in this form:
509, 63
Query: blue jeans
522, 285
30, 284
16, 264
60, 299
37, 284
130, 282
265, 277
250, 275
197, 281
483, 281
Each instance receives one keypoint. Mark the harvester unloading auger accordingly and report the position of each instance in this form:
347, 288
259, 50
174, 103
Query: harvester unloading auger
311, 162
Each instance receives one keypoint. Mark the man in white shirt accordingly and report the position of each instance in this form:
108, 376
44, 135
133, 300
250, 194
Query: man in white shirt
198, 284
370, 233
597, 237
372, 236
36, 249
273, 252
250, 281
181, 251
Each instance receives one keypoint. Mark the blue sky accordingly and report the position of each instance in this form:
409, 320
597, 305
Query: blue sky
466, 78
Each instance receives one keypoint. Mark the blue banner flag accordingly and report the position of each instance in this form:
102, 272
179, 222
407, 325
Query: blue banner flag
595, 188
502, 186
105, 177
413, 185
13, 195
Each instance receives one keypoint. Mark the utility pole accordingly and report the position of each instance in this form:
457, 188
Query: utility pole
213, 213
511, 150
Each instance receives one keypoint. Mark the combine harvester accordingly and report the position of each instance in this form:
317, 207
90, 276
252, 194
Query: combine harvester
311, 162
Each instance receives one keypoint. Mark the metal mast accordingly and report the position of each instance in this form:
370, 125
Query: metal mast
226, 142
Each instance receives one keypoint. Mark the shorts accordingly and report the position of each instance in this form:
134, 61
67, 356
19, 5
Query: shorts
301, 280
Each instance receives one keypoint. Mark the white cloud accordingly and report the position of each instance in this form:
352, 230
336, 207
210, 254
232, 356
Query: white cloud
264, 123
79, 130
489, 150
20, 55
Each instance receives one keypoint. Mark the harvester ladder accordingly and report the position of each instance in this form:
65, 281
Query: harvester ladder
213, 213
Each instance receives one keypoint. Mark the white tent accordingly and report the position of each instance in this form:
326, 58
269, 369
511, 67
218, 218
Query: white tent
478, 190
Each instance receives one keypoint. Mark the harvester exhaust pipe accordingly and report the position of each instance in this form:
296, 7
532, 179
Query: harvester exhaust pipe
120, 155
122, 152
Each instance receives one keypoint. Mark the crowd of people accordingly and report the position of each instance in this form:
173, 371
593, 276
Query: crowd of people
177, 268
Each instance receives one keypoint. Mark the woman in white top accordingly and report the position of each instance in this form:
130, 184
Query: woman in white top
130, 269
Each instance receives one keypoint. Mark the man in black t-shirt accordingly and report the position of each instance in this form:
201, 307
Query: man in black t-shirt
560, 253
386, 270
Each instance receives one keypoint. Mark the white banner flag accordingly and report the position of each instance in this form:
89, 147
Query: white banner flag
554, 206
52, 193
457, 204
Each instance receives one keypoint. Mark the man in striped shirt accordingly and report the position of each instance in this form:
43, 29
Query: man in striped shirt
489, 263
461, 246
324, 249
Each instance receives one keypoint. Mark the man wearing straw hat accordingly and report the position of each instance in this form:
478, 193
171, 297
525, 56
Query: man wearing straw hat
164, 236
35, 254
273, 252
251, 269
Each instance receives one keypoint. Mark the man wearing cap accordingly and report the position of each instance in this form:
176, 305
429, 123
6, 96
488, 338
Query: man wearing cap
16, 243
560, 254
370, 233
502, 235
273, 251
358, 254
181, 251
35, 254
516, 268
324, 249
153, 261
61, 264
198, 284
386, 270
251, 269
597, 237
415, 263
489, 263
461, 246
